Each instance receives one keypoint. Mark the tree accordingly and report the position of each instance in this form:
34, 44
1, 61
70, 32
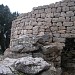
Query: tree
6, 18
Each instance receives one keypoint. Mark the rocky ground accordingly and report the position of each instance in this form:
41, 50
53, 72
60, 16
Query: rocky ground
27, 66
32, 56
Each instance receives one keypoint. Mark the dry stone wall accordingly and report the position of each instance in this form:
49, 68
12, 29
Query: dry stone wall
57, 20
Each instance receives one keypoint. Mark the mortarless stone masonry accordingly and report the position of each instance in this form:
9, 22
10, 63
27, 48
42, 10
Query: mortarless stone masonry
54, 23
57, 19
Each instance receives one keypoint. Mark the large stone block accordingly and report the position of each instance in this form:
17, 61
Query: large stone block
70, 14
56, 15
43, 15
71, 3
53, 10
17, 48
49, 15
71, 28
57, 4
38, 15
34, 23
61, 19
35, 30
68, 19
59, 24
54, 19
31, 66
56, 35
65, 8
63, 4
59, 9
40, 20
41, 11
54, 28
65, 35
63, 14
48, 10
33, 15
29, 32
36, 12
68, 23
33, 19
72, 8
48, 20
62, 31
73, 31
73, 18
29, 27
61, 40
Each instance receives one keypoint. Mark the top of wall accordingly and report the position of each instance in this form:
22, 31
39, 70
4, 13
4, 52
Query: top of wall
52, 5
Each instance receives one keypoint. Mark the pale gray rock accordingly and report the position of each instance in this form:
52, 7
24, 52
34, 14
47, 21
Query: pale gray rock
70, 14
17, 48
30, 65
4, 70
65, 8
59, 9
6, 67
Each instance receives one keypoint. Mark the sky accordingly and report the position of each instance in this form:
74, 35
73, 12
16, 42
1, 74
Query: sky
24, 6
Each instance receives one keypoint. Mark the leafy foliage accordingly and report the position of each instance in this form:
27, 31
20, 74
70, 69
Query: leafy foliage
6, 18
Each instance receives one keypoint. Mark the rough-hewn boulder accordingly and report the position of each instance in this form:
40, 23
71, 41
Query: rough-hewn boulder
26, 65
31, 65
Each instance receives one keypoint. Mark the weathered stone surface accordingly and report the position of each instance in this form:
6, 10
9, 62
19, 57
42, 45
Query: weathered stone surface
56, 15
69, 14
38, 15
63, 14
53, 10
54, 19
59, 9
6, 67
51, 71
43, 15
71, 4
48, 10
63, 4
49, 15
65, 8
17, 48
35, 30
28, 27
31, 65
59, 24
50, 49
4, 70
68, 23
61, 19
62, 40
72, 8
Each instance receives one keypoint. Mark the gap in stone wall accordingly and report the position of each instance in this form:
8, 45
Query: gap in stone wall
68, 57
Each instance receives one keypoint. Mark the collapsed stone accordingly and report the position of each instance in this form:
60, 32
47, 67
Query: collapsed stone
27, 65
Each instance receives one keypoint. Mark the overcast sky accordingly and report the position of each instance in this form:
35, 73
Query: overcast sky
24, 6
